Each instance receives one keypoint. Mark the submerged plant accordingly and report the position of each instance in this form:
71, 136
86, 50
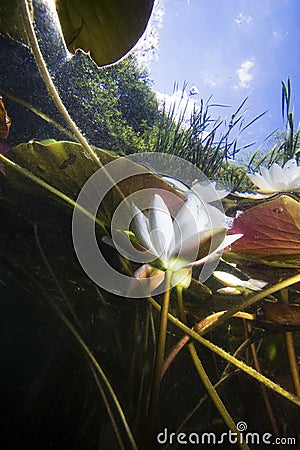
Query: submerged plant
123, 340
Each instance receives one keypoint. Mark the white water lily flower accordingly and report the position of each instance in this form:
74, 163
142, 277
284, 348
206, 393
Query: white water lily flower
174, 244
232, 283
252, 195
205, 190
208, 191
278, 179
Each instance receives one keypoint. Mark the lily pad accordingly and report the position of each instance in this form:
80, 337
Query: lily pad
107, 29
271, 232
64, 166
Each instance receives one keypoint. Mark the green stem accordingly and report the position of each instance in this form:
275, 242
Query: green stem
198, 327
231, 359
251, 300
108, 407
33, 42
290, 349
45, 74
51, 189
206, 381
160, 350
263, 389
92, 359
38, 112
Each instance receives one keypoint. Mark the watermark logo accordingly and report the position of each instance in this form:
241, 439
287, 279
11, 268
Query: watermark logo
92, 195
167, 437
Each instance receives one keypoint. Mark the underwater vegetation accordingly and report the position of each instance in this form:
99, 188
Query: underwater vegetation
149, 286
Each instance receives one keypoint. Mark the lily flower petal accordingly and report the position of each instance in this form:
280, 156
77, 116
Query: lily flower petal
229, 291
292, 169
208, 192
160, 227
227, 278
155, 276
277, 176
278, 179
141, 229
261, 182
229, 239
176, 184
255, 285
231, 281
191, 219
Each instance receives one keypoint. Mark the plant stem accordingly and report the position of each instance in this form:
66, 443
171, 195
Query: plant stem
262, 387
228, 357
108, 407
33, 42
198, 327
69, 201
251, 300
206, 381
90, 355
290, 348
45, 74
160, 350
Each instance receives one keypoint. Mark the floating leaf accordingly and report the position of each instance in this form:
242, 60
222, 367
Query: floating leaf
107, 29
271, 232
279, 317
64, 166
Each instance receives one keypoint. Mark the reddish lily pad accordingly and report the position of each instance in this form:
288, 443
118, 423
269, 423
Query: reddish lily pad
271, 232
279, 317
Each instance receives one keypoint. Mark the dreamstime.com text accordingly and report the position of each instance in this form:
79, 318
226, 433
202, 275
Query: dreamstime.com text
209, 438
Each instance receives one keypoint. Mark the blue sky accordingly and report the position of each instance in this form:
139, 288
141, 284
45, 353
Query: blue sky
230, 49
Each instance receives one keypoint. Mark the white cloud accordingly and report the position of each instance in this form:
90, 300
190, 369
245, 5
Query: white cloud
244, 75
216, 78
182, 103
278, 36
242, 20
210, 79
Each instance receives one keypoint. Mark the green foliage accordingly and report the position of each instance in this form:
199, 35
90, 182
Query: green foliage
104, 107
283, 145
208, 142
107, 29
120, 100
87, 354
235, 177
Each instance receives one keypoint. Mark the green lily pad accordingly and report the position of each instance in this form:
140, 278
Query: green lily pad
65, 166
107, 29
